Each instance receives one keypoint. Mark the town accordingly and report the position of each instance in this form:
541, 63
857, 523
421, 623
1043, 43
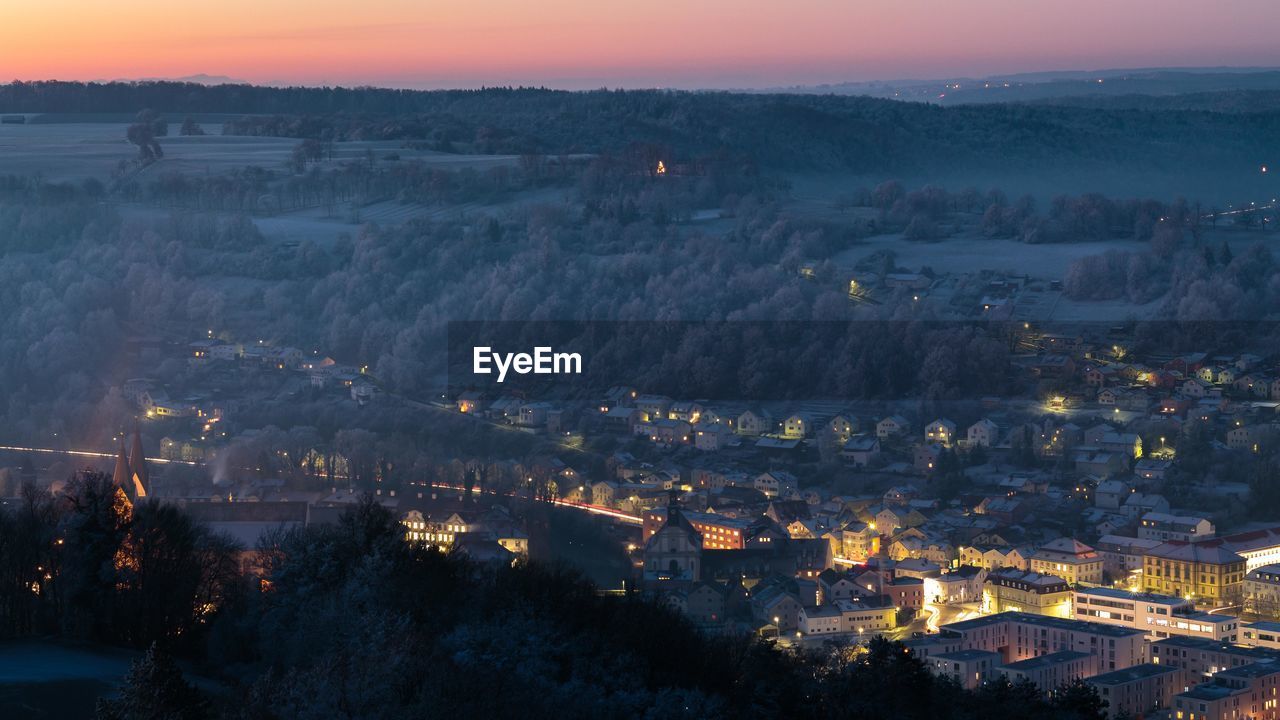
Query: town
1079, 532
677, 360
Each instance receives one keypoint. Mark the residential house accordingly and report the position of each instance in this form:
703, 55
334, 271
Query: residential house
1163, 526
983, 433
843, 427
925, 457
777, 483
891, 426
755, 422
798, 426
940, 432
861, 450
1070, 560
711, 438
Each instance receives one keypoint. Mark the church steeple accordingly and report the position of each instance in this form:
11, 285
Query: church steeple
122, 477
674, 551
126, 477
138, 461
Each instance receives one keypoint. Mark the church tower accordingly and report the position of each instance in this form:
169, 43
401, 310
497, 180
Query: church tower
674, 552
138, 463
126, 476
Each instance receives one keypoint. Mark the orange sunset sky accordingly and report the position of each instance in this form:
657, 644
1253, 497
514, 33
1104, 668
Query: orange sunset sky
576, 43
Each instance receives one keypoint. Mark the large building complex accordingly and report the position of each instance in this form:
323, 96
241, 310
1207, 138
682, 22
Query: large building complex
1159, 616
1206, 571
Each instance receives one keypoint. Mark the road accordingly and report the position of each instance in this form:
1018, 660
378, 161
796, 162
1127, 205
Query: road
85, 453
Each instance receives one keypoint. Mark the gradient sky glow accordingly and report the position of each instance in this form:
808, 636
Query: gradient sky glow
638, 43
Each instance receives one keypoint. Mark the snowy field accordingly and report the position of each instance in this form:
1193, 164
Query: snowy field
44, 680
972, 252
75, 151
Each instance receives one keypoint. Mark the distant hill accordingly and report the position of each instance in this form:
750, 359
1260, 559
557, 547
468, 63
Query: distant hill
198, 79
1225, 101
1033, 87
1016, 145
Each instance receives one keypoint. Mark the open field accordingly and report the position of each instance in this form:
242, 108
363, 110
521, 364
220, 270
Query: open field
44, 680
1222, 186
972, 252
63, 682
75, 151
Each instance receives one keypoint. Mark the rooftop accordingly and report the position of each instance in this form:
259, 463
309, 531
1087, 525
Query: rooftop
1207, 691
1129, 674
1068, 546
1210, 551
966, 655
1252, 670
1057, 658
1006, 576
1043, 621
1247, 541
1207, 617
1119, 594
1194, 643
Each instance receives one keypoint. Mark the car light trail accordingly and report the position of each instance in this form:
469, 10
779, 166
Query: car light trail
88, 453
586, 507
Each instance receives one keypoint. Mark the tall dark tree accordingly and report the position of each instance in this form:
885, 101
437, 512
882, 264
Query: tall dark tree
143, 133
1079, 700
155, 690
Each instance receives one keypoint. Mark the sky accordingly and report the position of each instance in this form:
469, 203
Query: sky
615, 43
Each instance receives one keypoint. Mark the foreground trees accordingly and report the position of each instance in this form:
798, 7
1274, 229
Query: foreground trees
349, 621
89, 565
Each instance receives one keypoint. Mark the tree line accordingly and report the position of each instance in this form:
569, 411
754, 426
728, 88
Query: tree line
348, 619
785, 131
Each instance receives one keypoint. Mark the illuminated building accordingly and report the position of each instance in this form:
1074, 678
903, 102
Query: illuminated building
1248, 691
674, 552
1199, 571
1257, 547
1021, 636
1262, 591
941, 432
867, 615
1159, 616
423, 529
131, 474
1070, 560
968, 668
1200, 658
1163, 526
1052, 671
1027, 592
1137, 691
719, 532
1263, 634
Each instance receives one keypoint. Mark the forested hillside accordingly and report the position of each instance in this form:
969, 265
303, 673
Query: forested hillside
782, 131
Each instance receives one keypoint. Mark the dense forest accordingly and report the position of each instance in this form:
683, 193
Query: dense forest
1222, 101
348, 620
80, 277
